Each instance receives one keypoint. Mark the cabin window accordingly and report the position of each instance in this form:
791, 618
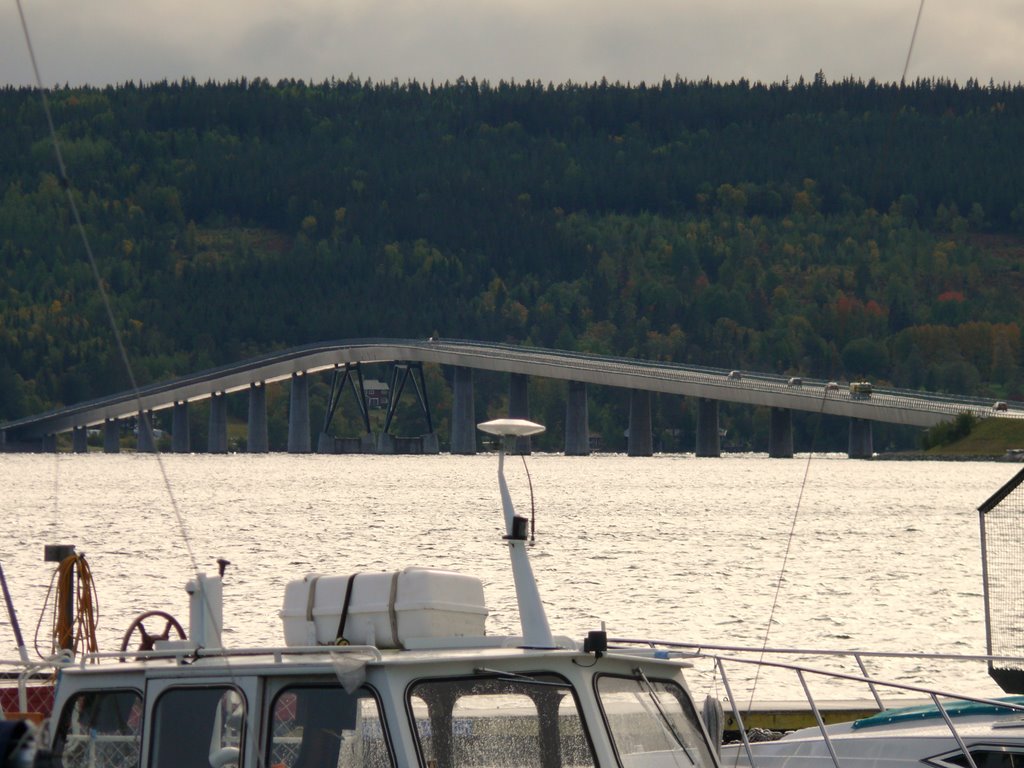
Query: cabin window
324, 727
985, 756
652, 722
100, 729
514, 722
198, 727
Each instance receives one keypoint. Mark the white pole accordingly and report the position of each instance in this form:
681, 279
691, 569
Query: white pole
532, 618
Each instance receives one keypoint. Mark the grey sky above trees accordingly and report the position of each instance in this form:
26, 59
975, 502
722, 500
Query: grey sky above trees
98, 42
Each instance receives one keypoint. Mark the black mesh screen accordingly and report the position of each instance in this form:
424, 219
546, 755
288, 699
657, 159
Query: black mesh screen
1002, 536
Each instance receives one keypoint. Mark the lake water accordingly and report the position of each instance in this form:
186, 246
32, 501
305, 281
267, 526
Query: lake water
882, 555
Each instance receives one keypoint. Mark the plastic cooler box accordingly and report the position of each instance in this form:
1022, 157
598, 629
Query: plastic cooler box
385, 609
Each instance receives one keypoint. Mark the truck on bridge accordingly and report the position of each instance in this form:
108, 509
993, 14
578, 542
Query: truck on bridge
860, 390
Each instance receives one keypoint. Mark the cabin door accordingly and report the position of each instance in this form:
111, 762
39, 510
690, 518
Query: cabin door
200, 723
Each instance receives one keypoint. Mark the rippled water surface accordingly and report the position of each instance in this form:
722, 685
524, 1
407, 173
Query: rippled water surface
881, 555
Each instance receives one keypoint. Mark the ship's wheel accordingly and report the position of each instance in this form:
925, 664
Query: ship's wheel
148, 639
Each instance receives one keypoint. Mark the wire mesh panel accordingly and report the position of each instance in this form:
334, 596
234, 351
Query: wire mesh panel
100, 729
1002, 555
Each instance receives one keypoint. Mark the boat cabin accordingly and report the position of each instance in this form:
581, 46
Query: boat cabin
380, 670
463, 702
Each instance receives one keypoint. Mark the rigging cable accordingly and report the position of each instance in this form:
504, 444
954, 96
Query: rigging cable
65, 183
533, 511
913, 37
807, 467
87, 595
789, 546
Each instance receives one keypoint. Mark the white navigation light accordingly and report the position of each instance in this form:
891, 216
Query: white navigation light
511, 427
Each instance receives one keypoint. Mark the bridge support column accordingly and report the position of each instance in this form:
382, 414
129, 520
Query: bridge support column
463, 428
145, 441
641, 441
298, 415
861, 446
49, 443
577, 422
780, 434
519, 408
80, 440
112, 436
217, 435
709, 439
181, 439
257, 440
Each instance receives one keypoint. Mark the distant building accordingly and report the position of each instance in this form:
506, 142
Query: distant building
377, 393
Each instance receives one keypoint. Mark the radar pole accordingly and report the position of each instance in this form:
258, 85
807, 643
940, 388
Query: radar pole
532, 619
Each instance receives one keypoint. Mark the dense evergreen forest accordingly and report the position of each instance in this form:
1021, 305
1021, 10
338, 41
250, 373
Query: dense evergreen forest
842, 230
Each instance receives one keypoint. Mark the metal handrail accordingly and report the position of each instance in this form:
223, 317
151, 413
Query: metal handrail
277, 653
927, 655
698, 650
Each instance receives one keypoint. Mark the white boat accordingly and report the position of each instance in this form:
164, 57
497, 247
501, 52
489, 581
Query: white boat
977, 734
379, 670
949, 730
395, 669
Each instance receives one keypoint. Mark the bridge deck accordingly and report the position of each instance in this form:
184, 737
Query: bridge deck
887, 405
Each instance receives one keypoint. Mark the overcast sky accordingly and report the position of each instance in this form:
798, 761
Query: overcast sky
113, 41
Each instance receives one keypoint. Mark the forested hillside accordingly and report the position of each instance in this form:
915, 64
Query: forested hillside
840, 230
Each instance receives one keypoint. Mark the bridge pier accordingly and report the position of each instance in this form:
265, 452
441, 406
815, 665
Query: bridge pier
217, 435
577, 422
709, 439
641, 441
112, 436
463, 424
328, 444
49, 443
390, 445
861, 446
181, 438
780, 434
257, 440
80, 440
431, 444
298, 414
519, 408
145, 441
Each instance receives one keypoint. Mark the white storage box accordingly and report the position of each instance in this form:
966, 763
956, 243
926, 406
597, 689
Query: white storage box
384, 609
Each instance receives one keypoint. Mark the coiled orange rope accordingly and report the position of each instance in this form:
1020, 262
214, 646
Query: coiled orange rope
80, 634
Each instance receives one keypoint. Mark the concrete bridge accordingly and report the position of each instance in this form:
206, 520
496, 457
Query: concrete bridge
343, 360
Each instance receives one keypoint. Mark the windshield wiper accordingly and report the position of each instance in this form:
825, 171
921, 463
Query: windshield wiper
519, 678
676, 736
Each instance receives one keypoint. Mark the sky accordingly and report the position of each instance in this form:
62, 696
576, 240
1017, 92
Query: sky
100, 42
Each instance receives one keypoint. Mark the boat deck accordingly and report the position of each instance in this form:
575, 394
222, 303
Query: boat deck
795, 714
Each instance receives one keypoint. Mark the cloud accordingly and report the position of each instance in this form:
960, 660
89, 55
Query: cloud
557, 40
